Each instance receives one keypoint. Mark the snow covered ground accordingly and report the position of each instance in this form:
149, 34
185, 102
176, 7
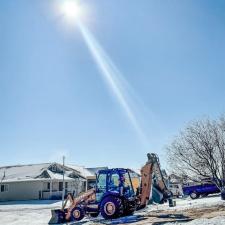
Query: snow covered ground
26, 212
39, 212
188, 203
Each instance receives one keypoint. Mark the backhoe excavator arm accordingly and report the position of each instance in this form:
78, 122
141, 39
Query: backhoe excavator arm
151, 167
146, 183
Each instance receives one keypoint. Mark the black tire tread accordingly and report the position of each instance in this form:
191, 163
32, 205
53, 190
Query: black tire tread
82, 214
118, 203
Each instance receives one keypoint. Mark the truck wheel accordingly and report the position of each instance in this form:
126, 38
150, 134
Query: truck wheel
194, 195
111, 207
77, 214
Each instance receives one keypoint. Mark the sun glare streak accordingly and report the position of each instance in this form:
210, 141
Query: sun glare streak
113, 78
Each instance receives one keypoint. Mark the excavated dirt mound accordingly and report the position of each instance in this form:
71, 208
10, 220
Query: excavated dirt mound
163, 217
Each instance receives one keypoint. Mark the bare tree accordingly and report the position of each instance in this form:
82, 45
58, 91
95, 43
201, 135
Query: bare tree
199, 151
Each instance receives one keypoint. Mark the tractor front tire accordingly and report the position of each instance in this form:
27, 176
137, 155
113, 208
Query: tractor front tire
77, 214
111, 207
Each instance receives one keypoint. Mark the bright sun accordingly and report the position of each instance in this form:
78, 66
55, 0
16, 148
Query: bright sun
71, 10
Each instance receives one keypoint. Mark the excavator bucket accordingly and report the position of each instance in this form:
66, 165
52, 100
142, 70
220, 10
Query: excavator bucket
58, 217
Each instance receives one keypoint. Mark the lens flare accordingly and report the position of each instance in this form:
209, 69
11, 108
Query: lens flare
71, 10
113, 78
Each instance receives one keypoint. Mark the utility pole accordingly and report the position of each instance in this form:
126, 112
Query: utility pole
63, 191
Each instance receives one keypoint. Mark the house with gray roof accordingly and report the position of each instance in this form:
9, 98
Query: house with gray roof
39, 181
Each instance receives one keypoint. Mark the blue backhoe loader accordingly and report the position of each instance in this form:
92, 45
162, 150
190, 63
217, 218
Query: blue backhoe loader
114, 195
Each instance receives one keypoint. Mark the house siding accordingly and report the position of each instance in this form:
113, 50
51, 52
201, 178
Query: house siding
28, 190
33, 190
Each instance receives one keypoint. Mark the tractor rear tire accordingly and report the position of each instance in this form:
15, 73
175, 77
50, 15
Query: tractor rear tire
111, 207
77, 214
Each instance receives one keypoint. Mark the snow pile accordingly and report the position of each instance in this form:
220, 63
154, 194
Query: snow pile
184, 204
27, 212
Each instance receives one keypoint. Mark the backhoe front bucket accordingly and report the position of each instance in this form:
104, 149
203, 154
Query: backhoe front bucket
58, 216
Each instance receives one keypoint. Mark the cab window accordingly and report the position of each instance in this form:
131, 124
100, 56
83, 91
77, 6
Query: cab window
114, 181
101, 184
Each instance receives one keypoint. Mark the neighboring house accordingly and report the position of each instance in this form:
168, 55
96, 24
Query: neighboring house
88, 173
173, 183
39, 181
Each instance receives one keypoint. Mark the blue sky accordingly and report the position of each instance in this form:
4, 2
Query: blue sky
54, 100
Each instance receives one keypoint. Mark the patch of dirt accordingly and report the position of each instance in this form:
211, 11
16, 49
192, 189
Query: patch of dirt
208, 212
163, 217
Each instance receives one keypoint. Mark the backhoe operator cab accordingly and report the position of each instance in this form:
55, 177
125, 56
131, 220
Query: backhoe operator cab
115, 194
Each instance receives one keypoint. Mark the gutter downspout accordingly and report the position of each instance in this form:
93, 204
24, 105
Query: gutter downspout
3, 178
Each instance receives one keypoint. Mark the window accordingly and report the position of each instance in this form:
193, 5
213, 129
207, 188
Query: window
114, 182
102, 181
4, 188
101, 186
54, 168
115, 179
91, 184
60, 186
135, 180
127, 181
48, 186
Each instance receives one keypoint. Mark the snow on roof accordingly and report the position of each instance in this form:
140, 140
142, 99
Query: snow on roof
36, 172
83, 171
95, 170
58, 176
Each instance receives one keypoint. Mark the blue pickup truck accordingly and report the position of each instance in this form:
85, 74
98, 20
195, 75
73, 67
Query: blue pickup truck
196, 191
